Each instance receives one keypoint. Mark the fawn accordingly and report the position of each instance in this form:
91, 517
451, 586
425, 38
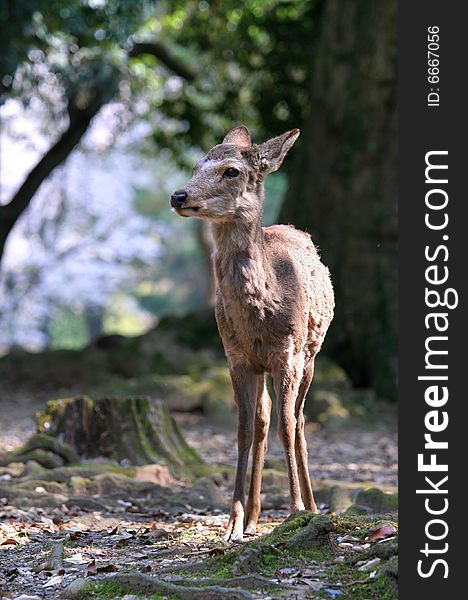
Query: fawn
274, 303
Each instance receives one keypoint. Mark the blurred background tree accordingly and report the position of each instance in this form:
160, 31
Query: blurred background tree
144, 88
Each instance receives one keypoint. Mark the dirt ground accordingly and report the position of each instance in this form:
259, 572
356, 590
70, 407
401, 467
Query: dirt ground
352, 454
113, 536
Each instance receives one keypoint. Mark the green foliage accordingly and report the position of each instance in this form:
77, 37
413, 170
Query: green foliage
66, 47
255, 61
69, 331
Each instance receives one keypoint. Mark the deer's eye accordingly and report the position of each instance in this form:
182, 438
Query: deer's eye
231, 172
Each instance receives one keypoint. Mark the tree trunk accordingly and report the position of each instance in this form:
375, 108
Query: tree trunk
139, 430
343, 188
94, 317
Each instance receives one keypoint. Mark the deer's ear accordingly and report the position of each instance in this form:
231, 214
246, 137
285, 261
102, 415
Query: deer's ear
272, 153
239, 136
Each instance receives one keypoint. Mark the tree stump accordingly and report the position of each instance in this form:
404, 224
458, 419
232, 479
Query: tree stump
137, 429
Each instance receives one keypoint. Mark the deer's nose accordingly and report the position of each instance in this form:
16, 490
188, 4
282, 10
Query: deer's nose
178, 198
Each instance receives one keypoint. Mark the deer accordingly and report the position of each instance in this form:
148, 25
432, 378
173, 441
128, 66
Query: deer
274, 304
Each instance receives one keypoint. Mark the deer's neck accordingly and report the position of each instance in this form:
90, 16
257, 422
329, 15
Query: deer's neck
241, 264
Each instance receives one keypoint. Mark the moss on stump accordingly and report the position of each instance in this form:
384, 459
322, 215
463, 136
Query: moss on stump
137, 429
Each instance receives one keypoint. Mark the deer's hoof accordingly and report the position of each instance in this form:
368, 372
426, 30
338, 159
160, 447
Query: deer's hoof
235, 531
234, 536
237, 536
250, 529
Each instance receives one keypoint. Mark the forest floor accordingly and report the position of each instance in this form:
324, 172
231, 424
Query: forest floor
101, 530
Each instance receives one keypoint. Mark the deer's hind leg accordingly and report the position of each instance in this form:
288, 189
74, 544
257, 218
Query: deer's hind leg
300, 445
260, 437
244, 382
287, 380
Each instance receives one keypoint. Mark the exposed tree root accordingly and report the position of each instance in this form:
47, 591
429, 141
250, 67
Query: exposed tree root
252, 582
150, 585
45, 450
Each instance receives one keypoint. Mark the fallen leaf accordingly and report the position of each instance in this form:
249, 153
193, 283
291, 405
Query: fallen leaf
8, 542
145, 569
76, 559
382, 532
11, 573
155, 535
53, 581
308, 573
107, 569
91, 569
123, 542
216, 551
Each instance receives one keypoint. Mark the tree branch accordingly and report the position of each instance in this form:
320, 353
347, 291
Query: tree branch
80, 119
157, 50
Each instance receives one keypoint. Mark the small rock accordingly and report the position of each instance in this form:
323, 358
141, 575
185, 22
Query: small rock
356, 509
390, 570
154, 474
368, 566
358, 548
205, 492
347, 538
332, 592
27, 597
75, 589
377, 500
360, 563
340, 499
338, 560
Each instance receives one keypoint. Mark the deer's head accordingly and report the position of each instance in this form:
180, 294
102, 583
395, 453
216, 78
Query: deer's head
227, 183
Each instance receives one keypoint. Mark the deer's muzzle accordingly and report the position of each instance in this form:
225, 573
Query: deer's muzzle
178, 198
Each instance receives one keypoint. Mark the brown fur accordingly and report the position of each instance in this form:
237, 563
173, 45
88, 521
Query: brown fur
274, 305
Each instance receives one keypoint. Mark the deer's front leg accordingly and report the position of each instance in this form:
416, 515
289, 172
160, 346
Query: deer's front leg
286, 380
244, 382
261, 426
